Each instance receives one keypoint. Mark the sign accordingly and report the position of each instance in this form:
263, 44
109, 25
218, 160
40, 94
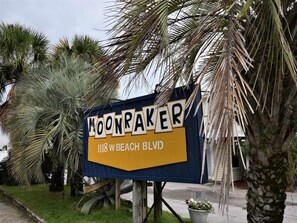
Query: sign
136, 139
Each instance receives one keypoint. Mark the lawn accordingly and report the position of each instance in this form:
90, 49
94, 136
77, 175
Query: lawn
56, 207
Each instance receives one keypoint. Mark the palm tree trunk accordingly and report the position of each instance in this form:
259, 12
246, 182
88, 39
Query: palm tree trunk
76, 183
267, 182
57, 179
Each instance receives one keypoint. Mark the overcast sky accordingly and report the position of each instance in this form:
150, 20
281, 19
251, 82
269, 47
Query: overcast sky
57, 18
61, 18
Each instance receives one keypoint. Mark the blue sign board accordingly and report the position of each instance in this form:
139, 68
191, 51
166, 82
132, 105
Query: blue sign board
136, 139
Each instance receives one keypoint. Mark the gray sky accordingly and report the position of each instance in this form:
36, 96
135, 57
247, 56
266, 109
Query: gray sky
57, 18
62, 18
65, 18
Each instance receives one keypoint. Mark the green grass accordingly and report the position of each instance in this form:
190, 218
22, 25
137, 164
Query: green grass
56, 208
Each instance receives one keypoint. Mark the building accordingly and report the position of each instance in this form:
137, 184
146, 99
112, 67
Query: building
239, 161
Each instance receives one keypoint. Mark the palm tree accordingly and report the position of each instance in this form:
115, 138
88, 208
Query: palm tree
21, 48
88, 50
46, 119
85, 47
243, 53
81, 49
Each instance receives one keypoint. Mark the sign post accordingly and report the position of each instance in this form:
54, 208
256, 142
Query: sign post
157, 201
117, 194
138, 214
144, 196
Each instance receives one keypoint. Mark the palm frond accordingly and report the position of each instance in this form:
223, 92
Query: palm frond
269, 44
47, 118
236, 51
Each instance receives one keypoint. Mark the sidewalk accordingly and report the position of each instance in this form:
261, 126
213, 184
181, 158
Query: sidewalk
176, 194
9, 213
